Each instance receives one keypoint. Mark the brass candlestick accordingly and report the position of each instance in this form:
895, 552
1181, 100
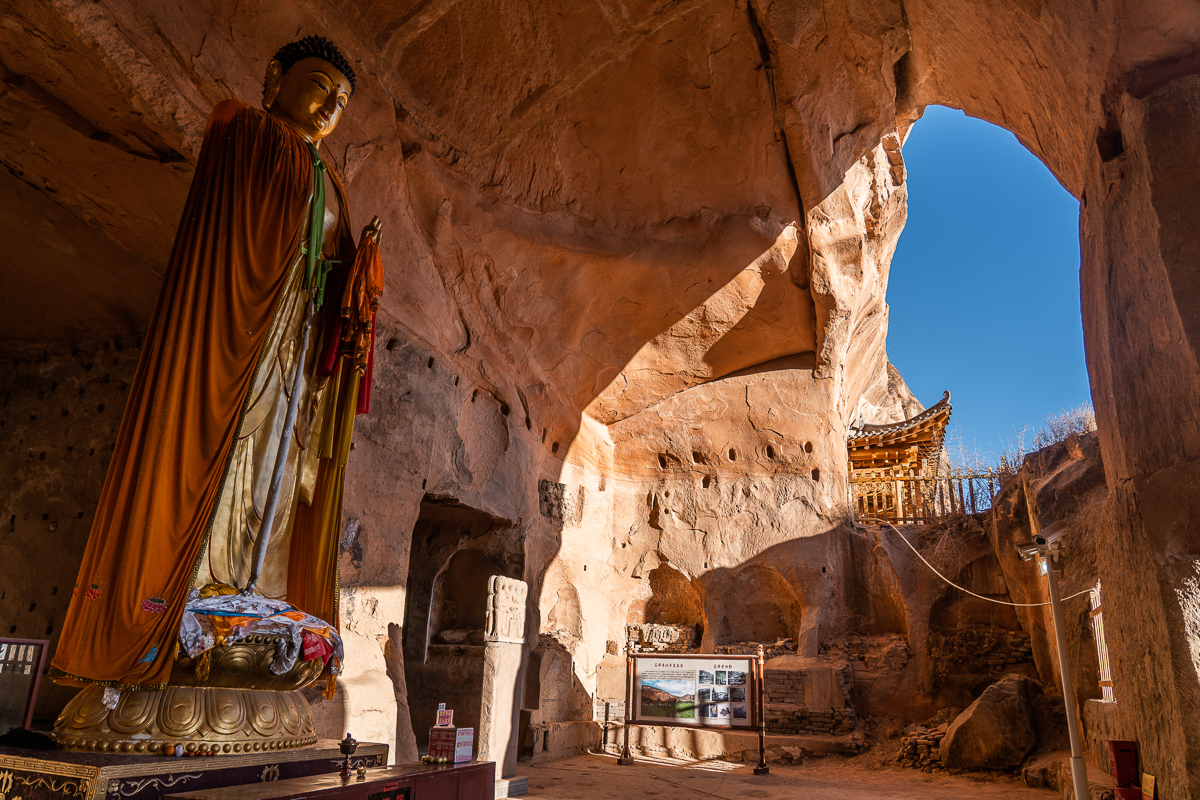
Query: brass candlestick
348, 746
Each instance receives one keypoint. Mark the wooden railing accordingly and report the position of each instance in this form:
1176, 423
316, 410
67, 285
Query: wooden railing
917, 499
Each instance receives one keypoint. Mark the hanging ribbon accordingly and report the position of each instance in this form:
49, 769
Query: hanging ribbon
318, 267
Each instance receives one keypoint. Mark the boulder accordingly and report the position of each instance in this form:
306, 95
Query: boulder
997, 730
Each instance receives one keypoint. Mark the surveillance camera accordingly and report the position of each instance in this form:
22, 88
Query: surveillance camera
1027, 550
1053, 533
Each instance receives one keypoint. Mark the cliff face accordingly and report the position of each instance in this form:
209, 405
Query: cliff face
637, 256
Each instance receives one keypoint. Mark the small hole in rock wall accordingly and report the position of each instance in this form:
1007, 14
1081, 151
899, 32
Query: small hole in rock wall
554, 448
12, 629
662, 462
32, 606
732, 454
42, 456
822, 570
456, 380
816, 474
623, 545
602, 483
50, 629
65, 412
808, 447
429, 365
92, 451
706, 481
770, 452
504, 409
100, 408
45, 516
70, 448
585, 567
424, 482
697, 458
53, 591
474, 394
79, 515
33, 417
543, 435
390, 344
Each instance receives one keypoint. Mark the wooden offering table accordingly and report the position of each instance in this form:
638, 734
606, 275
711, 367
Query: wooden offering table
74, 775
469, 780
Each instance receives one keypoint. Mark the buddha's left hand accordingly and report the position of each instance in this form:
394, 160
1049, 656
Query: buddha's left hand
374, 230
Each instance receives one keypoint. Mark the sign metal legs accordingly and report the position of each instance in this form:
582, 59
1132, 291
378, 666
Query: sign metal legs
761, 706
627, 757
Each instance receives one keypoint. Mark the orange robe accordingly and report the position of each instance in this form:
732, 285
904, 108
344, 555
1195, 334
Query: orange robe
236, 246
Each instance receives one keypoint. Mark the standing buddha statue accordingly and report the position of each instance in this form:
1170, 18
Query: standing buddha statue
220, 511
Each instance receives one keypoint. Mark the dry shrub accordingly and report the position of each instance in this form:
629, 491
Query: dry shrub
972, 459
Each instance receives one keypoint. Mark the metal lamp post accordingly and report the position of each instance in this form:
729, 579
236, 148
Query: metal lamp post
1045, 544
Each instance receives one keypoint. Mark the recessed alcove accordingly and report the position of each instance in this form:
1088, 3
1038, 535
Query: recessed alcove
955, 609
455, 549
757, 605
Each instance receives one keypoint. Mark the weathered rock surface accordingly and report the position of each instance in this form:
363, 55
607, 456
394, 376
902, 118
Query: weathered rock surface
997, 730
625, 239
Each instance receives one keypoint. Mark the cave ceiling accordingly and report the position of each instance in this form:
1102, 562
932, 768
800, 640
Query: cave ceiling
616, 199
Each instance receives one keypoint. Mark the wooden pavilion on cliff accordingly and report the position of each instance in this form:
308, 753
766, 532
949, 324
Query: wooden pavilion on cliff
894, 467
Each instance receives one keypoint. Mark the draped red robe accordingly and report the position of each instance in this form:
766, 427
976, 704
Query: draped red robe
236, 244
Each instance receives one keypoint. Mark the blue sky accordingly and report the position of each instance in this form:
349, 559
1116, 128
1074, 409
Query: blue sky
984, 287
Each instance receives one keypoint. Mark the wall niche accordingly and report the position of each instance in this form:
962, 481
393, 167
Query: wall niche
455, 549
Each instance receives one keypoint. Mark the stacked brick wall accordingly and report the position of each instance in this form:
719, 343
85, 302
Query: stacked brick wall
977, 649
783, 647
788, 714
921, 749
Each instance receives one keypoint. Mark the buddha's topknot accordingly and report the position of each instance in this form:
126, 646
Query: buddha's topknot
315, 47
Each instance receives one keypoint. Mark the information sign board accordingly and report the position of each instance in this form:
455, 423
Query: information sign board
696, 690
709, 691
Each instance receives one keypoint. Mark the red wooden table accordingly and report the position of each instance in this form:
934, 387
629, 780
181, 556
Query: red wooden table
473, 780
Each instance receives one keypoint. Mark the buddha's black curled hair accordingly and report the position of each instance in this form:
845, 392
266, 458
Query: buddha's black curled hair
315, 47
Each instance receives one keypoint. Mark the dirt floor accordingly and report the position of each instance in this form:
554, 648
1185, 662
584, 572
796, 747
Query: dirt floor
599, 776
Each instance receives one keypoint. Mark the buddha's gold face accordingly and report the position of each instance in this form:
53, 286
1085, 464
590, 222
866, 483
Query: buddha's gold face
310, 96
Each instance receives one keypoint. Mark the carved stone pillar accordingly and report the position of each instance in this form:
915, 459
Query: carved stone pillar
504, 647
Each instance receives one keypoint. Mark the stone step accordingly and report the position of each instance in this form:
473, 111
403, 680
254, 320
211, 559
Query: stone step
1053, 771
656, 741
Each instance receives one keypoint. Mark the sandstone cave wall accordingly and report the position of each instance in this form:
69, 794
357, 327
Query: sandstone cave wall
59, 412
538, 242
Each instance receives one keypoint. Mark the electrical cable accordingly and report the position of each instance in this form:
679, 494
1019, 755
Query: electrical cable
955, 585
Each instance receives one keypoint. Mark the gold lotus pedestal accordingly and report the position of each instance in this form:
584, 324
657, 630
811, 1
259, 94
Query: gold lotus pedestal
231, 705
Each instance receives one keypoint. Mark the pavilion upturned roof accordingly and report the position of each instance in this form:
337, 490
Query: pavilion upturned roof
908, 443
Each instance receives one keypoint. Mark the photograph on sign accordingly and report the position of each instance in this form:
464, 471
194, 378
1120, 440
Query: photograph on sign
692, 691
